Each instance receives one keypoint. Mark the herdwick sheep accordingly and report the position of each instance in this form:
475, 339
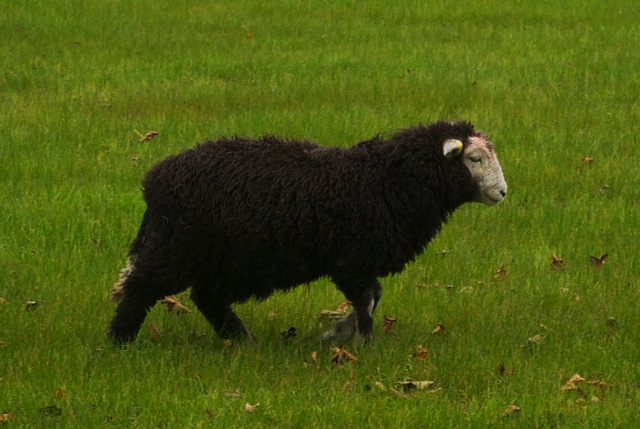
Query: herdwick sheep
240, 218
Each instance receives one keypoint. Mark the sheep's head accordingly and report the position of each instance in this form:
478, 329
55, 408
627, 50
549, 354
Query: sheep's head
478, 156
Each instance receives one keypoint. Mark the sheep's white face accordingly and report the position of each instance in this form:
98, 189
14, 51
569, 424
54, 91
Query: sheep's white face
483, 164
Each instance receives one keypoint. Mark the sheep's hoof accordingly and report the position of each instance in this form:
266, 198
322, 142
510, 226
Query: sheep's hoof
342, 332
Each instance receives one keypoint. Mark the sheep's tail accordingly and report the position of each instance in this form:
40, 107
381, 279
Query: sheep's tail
117, 291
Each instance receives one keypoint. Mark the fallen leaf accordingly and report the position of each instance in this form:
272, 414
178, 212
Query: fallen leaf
154, 331
380, 386
511, 409
421, 353
61, 393
172, 304
226, 342
290, 332
51, 411
314, 356
2, 300
341, 355
148, 136
502, 370
338, 313
234, 394
604, 189
415, 385
30, 305
248, 408
598, 263
535, 339
271, 315
6, 417
500, 273
531, 341
249, 35
597, 383
388, 323
136, 160
587, 159
439, 330
571, 384
402, 395
556, 262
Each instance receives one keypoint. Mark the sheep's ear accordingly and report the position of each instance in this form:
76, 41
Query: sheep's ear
452, 148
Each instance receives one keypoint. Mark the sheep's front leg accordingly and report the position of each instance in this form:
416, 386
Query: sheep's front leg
365, 295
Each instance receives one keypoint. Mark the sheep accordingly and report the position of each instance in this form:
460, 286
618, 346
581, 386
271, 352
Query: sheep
241, 218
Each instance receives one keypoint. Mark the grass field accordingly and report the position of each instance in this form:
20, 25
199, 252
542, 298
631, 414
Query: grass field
555, 85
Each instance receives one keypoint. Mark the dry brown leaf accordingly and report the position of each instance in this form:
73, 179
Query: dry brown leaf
598, 383
587, 159
172, 304
51, 411
6, 417
290, 332
338, 313
571, 384
249, 35
598, 263
271, 315
154, 331
148, 136
421, 353
439, 330
248, 408
415, 385
388, 322
314, 356
341, 355
556, 262
380, 386
232, 394
402, 395
2, 300
502, 370
511, 409
535, 339
501, 272
532, 340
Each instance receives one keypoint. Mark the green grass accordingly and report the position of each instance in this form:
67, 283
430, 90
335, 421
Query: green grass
551, 82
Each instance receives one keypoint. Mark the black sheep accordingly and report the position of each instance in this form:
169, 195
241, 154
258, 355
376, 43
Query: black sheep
240, 218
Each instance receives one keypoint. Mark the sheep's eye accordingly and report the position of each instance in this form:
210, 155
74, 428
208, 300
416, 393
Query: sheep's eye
475, 159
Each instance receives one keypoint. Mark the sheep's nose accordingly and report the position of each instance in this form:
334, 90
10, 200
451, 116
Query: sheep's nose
503, 193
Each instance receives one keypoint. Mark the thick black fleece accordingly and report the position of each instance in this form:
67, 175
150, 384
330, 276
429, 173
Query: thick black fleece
240, 218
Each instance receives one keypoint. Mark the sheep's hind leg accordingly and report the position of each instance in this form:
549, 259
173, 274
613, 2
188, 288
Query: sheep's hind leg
224, 320
136, 299
137, 290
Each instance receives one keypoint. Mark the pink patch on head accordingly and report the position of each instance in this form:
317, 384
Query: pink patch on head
482, 140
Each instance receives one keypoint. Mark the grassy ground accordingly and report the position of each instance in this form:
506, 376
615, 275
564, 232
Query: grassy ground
551, 82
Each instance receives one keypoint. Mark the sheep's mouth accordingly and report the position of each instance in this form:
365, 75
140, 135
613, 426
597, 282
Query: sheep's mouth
490, 199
